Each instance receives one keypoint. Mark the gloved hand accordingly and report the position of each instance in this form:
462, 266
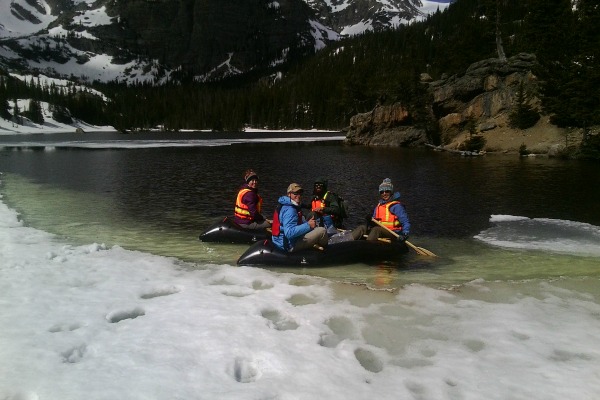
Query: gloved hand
403, 236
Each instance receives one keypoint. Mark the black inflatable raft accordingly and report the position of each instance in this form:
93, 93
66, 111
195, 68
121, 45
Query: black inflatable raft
348, 252
227, 231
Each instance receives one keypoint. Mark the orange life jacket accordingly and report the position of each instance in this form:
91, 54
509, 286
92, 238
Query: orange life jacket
386, 217
319, 203
241, 209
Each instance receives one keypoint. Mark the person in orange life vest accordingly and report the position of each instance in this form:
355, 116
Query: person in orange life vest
291, 231
248, 204
390, 212
326, 207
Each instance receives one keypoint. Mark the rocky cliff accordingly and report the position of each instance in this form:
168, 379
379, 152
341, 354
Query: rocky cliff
479, 101
385, 126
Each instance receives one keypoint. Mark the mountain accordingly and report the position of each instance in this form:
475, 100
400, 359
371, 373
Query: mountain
159, 40
351, 17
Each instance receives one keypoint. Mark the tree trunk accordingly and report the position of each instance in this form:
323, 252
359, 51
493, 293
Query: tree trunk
499, 47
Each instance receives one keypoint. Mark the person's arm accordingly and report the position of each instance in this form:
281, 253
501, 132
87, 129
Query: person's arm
332, 205
400, 212
251, 200
289, 220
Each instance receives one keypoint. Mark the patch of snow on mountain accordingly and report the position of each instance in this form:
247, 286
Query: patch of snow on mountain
338, 7
14, 24
357, 29
322, 34
9, 127
93, 18
63, 84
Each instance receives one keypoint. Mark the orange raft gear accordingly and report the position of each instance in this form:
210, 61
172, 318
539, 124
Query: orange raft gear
241, 210
386, 217
319, 203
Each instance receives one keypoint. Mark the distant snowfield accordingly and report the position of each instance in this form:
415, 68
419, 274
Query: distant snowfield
49, 126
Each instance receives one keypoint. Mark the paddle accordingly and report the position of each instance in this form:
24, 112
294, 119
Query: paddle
420, 250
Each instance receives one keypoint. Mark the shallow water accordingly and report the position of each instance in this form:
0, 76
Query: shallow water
159, 199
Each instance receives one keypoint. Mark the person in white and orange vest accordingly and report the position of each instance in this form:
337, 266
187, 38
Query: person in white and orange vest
390, 212
248, 204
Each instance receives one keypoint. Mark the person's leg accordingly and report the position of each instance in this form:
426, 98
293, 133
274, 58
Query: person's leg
379, 232
254, 225
359, 232
375, 233
317, 236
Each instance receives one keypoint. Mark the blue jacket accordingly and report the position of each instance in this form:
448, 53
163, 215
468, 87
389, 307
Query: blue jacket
290, 229
399, 211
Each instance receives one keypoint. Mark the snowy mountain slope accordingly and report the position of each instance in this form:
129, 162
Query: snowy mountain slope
352, 17
20, 17
143, 41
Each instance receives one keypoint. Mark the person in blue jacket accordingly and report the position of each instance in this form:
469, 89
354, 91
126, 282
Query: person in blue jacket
390, 212
290, 230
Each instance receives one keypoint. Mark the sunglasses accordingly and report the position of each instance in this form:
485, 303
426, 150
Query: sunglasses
297, 193
385, 191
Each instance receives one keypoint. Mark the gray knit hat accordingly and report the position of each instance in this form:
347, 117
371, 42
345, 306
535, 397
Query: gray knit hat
386, 185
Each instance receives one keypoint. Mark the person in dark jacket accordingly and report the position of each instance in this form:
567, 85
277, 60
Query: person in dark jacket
248, 204
390, 212
326, 207
291, 230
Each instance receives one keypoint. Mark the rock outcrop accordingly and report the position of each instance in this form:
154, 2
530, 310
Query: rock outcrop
385, 126
486, 91
479, 101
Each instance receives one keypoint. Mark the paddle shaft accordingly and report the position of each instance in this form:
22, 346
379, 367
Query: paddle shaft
419, 250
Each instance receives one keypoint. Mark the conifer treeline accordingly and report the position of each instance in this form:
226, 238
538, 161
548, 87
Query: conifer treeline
66, 101
382, 67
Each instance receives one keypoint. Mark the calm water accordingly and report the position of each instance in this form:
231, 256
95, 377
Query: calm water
154, 197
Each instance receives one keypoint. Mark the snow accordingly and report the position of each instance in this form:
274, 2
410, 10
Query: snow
101, 66
430, 7
96, 17
545, 234
107, 323
13, 26
8, 127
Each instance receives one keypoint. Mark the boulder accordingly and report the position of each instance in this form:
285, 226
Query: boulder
385, 126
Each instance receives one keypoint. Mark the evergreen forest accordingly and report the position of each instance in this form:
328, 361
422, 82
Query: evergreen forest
357, 73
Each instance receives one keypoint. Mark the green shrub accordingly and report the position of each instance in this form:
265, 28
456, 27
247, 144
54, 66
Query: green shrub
523, 150
474, 143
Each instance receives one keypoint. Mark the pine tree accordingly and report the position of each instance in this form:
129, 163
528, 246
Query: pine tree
16, 112
585, 68
4, 106
523, 116
35, 112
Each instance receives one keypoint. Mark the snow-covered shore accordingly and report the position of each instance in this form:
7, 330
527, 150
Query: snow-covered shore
50, 125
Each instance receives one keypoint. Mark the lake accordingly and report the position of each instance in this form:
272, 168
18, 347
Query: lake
508, 310
156, 192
